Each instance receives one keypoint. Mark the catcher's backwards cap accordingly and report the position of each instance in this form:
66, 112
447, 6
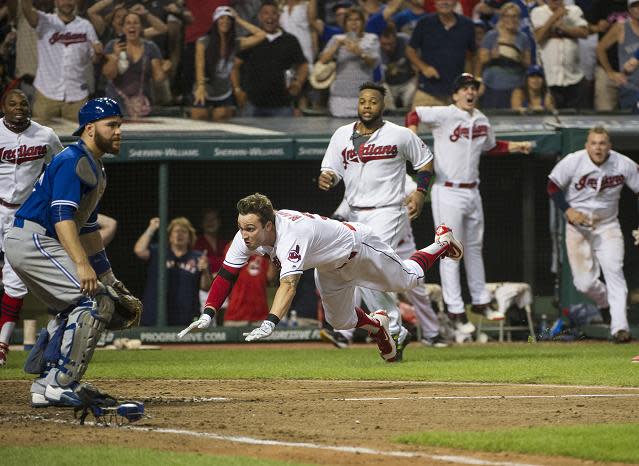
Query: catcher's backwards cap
463, 80
96, 109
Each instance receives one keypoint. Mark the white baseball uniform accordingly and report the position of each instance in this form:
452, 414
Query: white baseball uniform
459, 140
64, 53
344, 256
595, 190
374, 177
22, 156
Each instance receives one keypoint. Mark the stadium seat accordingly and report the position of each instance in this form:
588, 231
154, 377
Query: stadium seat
507, 295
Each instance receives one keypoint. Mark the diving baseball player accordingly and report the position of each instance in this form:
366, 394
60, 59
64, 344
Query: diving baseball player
370, 156
344, 256
25, 146
461, 133
56, 250
586, 186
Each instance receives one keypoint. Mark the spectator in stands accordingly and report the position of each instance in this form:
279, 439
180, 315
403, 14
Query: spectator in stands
534, 96
399, 76
210, 240
214, 62
107, 228
504, 56
557, 30
110, 26
264, 69
601, 16
187, 268
132, 65
356, 53
623, 38
200, 26
67, 44
326, 30
443, 39
248, 303
296, 18
404, 19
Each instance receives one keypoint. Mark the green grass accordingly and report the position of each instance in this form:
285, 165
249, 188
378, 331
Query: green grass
108, 456
577, 363
598, 442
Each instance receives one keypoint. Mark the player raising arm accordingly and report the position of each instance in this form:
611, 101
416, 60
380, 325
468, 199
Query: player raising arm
461, 133
344, 255
586, 185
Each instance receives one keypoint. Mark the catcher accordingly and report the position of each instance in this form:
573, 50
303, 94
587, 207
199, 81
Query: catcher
56, 250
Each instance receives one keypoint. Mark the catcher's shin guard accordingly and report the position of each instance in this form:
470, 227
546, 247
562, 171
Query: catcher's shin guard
81, 334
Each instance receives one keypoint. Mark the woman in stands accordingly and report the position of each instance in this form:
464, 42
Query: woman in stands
217, 83
534, 96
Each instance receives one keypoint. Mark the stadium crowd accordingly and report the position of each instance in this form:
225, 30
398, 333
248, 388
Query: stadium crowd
212, 59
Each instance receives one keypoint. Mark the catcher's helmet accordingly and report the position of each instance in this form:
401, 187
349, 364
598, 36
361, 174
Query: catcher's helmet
96, 109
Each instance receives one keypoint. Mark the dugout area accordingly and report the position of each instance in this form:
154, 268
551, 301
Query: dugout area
173, 167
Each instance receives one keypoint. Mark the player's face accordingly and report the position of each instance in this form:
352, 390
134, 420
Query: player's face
598, 147
370, 106
253, 232
269, 18
107, 135
16, 108
466, 97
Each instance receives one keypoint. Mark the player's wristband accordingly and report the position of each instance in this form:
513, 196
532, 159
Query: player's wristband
557, 195
100, 262
209, 311
423, 181
273, 318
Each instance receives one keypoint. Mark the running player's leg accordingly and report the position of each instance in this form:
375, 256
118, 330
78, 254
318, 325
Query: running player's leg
473, 258
584, 265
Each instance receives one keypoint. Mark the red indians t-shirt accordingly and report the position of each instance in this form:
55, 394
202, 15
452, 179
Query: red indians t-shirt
248, 297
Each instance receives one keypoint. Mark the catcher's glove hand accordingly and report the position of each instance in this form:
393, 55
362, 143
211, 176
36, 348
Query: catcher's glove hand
128, 308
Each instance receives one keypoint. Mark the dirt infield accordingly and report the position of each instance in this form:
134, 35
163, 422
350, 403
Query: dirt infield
325, 416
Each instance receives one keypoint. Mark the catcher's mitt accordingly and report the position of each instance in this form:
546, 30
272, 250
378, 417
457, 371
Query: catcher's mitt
128, 308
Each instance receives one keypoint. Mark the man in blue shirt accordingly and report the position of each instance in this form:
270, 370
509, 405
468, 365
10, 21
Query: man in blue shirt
438, 49
56, 250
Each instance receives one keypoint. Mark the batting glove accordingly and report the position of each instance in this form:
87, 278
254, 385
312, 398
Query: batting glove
635, 233
203, 322
262, 331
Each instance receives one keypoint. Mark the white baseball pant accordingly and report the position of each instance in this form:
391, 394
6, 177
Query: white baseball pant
13, 286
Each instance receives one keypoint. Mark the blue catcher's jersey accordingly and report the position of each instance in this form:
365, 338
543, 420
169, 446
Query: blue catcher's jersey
73, 182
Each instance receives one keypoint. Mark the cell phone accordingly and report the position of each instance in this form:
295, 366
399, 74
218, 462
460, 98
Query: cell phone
122, 38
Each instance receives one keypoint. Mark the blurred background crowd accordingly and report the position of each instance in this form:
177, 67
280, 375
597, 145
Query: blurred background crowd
214, 59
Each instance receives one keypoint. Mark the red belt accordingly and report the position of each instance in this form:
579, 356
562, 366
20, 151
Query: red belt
450, 184
8, 204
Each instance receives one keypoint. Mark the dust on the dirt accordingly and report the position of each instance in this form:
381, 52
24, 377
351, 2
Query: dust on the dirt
325, 413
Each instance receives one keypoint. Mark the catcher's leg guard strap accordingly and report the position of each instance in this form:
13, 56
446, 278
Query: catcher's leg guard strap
80, 337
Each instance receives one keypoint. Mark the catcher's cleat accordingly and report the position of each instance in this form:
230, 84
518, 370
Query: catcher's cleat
444, 235
63, 396
385, 343
4, 350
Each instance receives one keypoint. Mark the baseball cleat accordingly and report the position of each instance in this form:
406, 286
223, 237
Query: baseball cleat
335, 338
385, 343
461, 322
4, 350
63, 396
444, 235
435, 342
622, 336
488, 312
402, 339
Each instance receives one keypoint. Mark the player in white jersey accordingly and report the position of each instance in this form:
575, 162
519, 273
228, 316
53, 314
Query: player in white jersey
25, 146
370, 156
586, 186
426, 316
344, 256
461, 133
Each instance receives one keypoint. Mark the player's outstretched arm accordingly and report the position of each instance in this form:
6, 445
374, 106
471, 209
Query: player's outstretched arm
281, 304
521, 147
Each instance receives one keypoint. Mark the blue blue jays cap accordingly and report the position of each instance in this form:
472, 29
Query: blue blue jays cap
96, 109
535, 70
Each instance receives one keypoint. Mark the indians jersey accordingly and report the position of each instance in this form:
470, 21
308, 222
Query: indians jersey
374, 172
460, 138
303, 241
593, 189
64, 53
22, 156
74, 179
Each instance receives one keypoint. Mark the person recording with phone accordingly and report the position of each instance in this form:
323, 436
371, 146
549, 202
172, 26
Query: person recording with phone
356, 54
132, 65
